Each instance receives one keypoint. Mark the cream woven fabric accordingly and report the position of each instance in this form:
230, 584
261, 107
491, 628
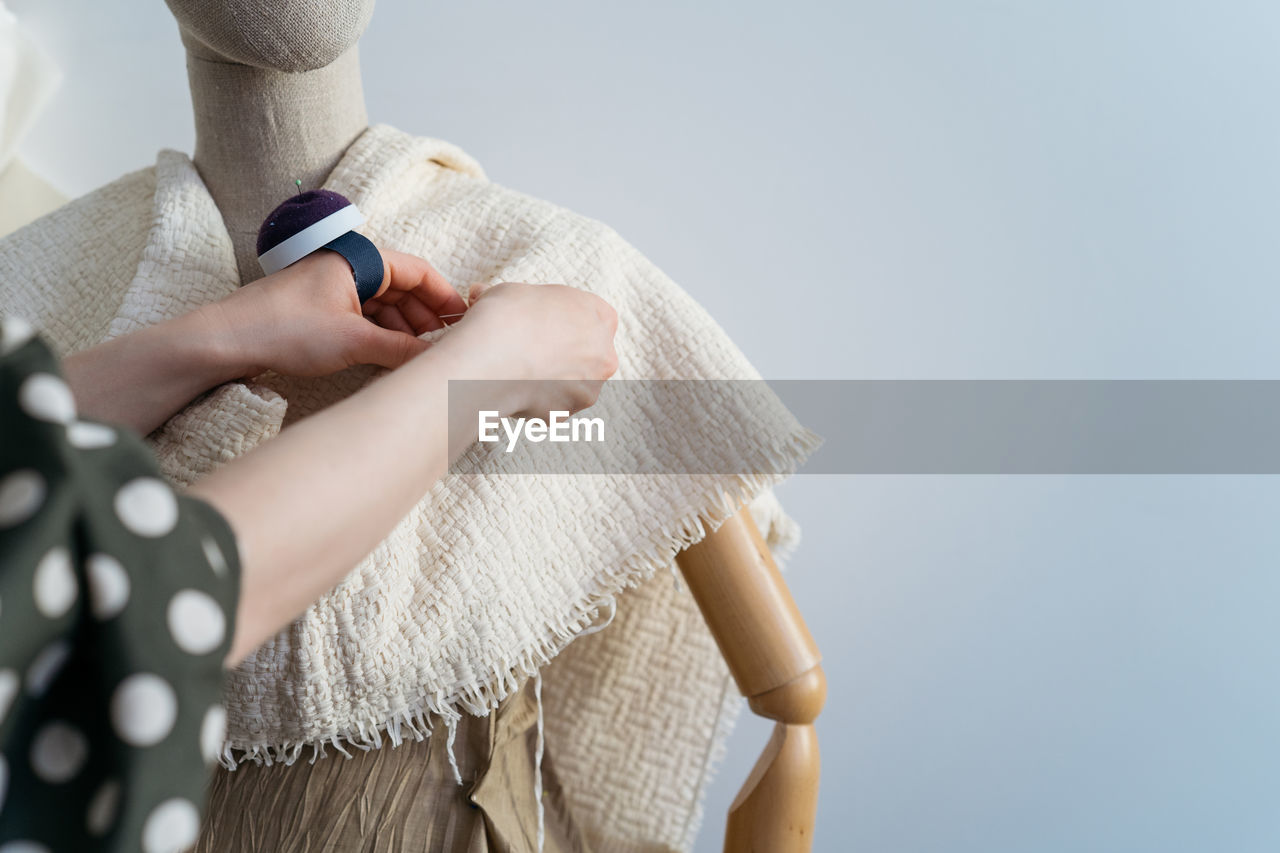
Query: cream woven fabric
490, 577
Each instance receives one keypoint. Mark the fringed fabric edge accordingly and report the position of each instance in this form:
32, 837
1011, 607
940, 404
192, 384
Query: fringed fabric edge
482, 697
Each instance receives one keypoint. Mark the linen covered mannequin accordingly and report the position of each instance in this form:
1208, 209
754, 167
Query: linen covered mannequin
271, 109
277, 97
634, 712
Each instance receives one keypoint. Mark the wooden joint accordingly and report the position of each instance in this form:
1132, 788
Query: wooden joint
797, 702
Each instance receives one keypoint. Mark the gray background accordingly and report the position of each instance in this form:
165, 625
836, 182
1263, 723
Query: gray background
900, 190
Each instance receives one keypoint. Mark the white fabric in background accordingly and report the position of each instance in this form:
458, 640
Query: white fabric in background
28, 79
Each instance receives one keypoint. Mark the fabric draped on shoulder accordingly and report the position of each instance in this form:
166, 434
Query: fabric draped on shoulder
492, 576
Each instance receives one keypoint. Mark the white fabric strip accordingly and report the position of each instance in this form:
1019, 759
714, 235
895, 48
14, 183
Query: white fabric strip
311, 238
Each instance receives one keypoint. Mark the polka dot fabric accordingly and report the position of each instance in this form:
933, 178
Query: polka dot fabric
117, 600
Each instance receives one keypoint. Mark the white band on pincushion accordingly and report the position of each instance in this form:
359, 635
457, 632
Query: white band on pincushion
311, 238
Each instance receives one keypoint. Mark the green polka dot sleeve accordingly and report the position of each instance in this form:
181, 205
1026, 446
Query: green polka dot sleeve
117, 601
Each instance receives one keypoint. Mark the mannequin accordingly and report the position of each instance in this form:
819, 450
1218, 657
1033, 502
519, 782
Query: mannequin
280, 108
277, 99
272, 112
283, 106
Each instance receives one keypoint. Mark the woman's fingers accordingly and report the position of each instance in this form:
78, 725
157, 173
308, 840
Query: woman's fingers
421, 318
389, 317
386, 348
417, 317
416, 275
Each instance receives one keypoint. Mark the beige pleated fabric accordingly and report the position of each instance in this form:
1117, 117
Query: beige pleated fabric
404, 799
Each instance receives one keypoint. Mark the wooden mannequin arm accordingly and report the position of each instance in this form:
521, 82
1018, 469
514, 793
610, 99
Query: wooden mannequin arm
776, 665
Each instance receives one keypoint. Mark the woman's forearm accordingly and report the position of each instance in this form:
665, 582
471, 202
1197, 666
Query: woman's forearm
142, 379
304, 320
306, 507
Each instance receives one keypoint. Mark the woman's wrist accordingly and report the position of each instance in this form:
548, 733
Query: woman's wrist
264, 325
229, 343
467, 356
143, 378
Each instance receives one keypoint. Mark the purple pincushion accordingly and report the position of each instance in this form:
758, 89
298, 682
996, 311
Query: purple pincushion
297, 213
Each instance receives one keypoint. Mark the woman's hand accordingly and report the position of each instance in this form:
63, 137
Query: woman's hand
519, 332
530, 333
307, 321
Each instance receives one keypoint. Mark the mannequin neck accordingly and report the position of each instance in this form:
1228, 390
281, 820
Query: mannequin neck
258, 131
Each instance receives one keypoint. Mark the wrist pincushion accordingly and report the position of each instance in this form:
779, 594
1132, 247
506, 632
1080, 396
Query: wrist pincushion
320, 219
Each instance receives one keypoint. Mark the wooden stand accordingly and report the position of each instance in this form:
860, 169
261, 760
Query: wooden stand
776, 665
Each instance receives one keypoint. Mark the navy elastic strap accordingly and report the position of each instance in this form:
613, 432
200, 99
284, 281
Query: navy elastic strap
365, 261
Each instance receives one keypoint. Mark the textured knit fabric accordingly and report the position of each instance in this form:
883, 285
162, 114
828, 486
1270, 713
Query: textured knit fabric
119, 600
491, 576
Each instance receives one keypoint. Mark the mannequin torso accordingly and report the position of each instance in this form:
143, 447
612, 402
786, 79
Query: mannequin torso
261, 124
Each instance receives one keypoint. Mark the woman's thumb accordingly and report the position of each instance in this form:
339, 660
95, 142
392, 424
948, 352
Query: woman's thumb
388, 348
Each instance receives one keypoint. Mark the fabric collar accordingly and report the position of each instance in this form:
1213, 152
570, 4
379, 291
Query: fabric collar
190, 261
